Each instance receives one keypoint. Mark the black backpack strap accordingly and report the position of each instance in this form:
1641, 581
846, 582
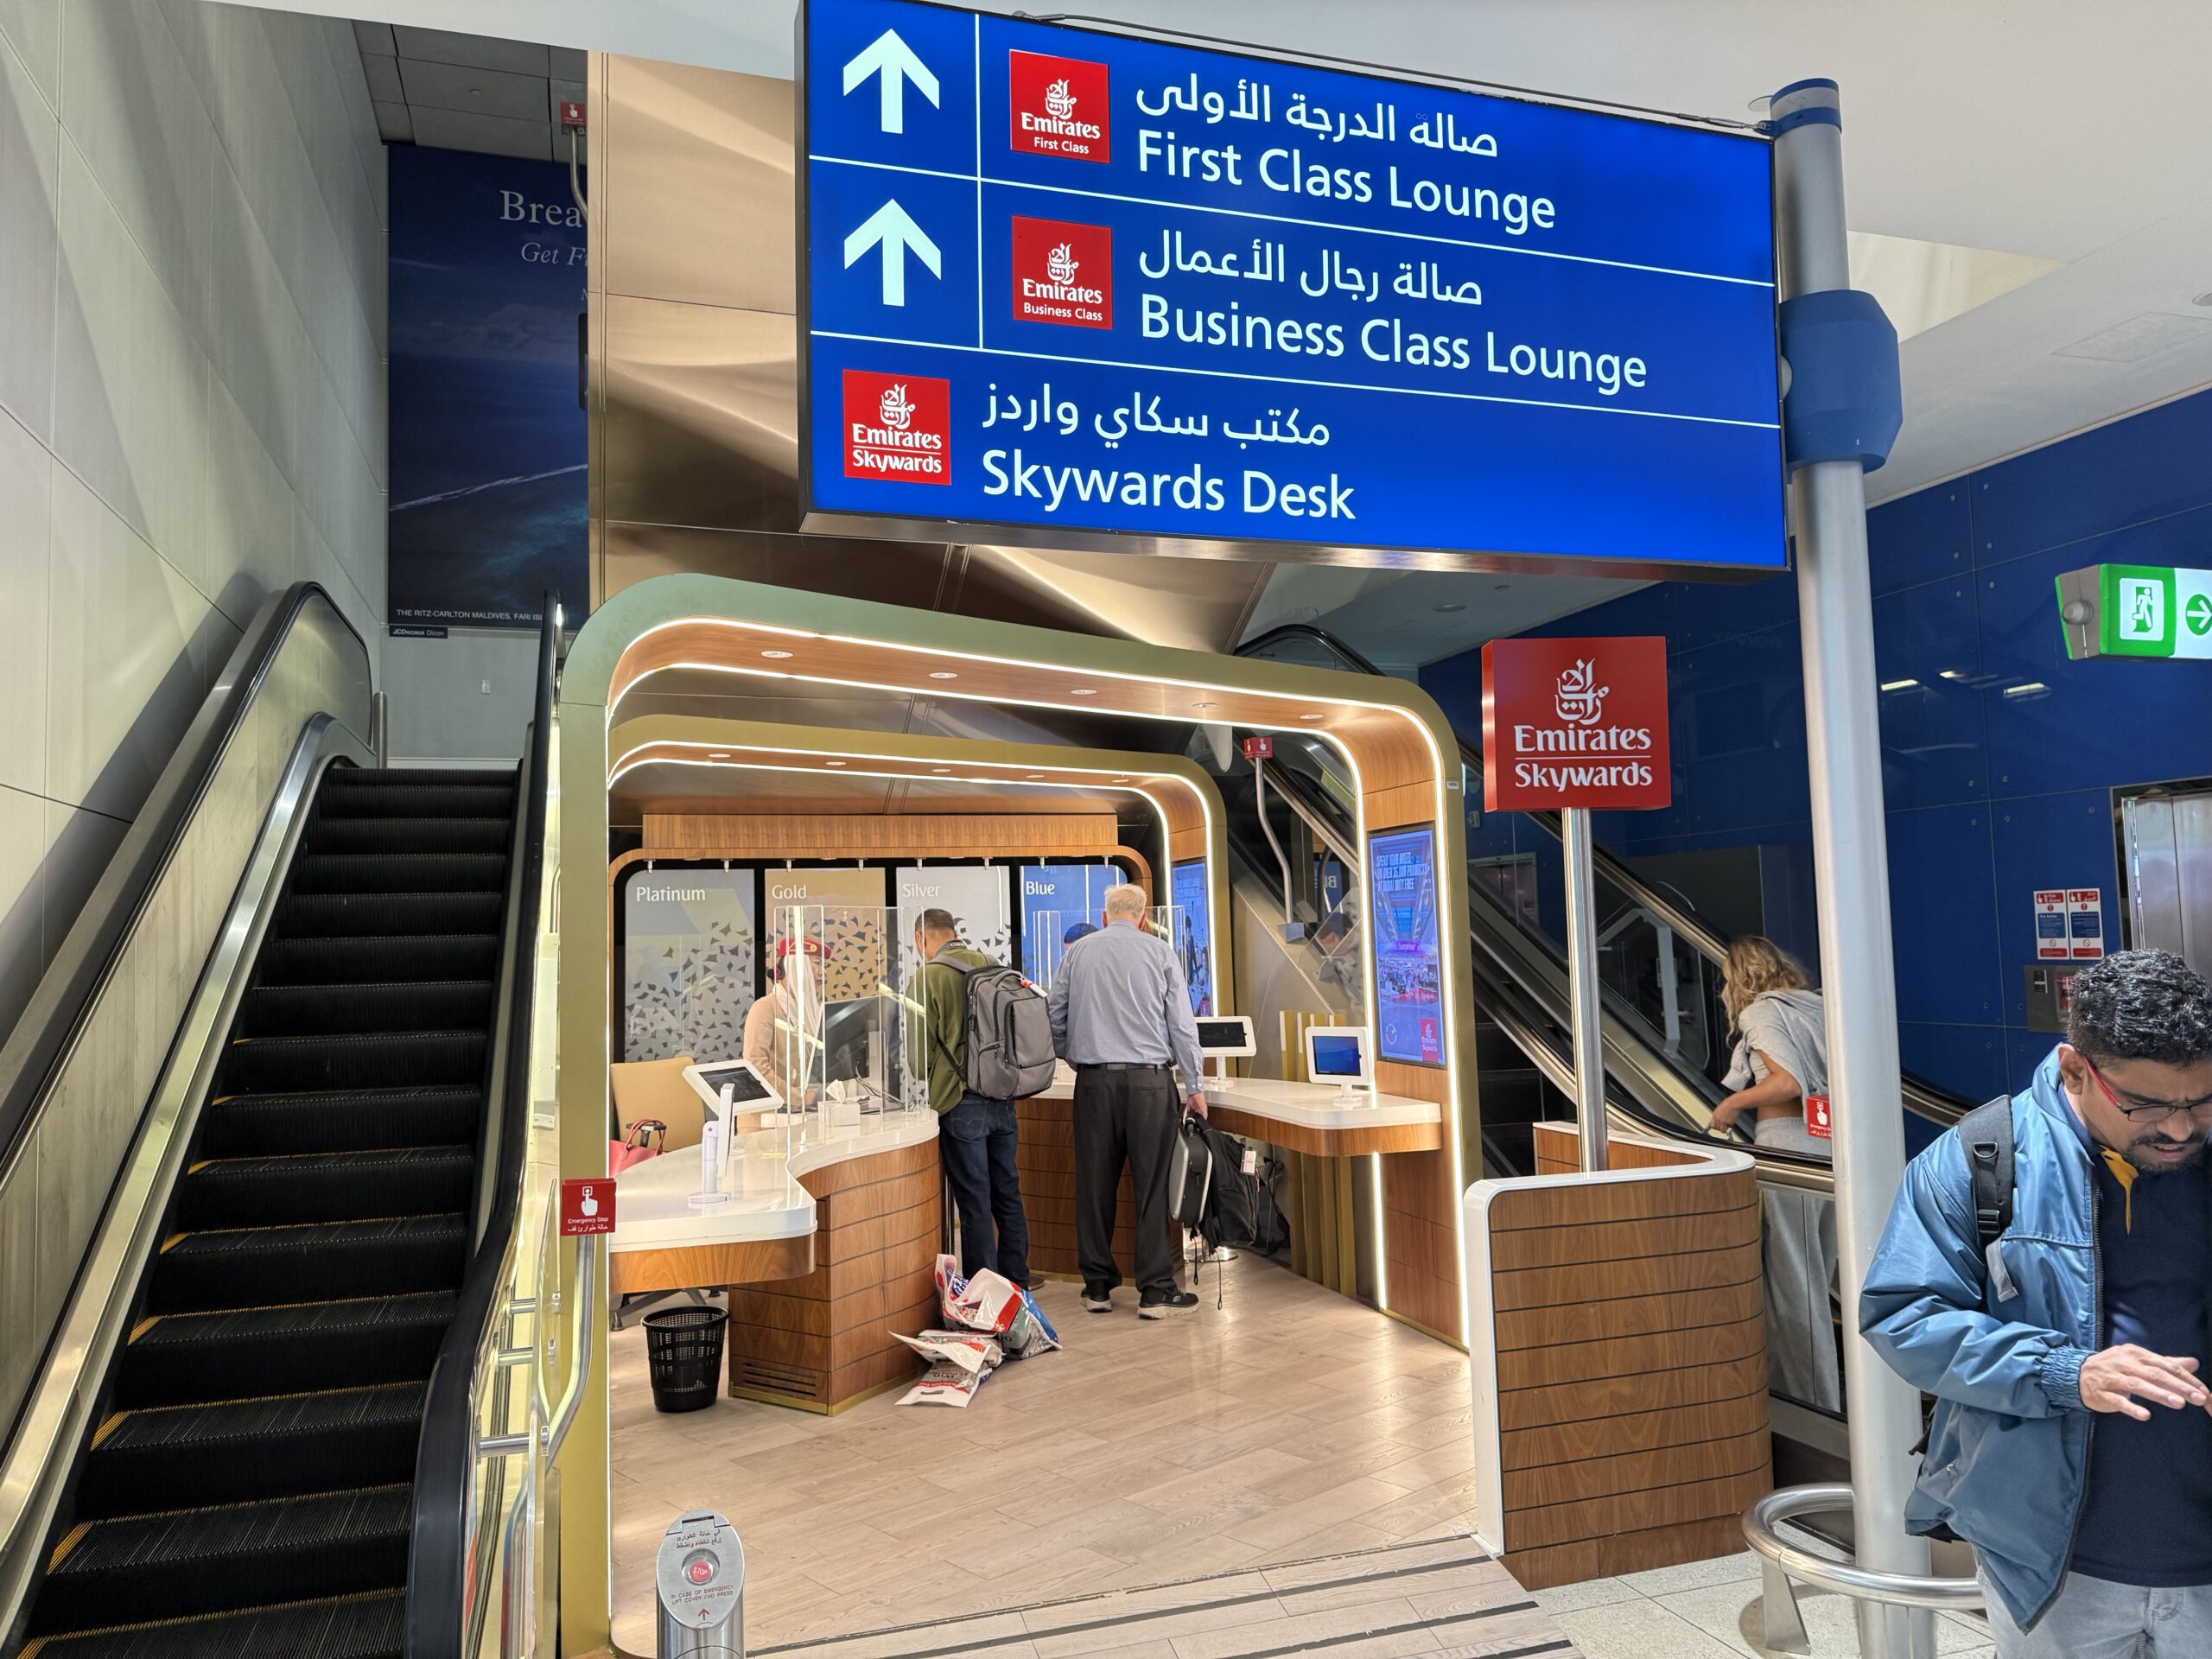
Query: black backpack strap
1987, 1135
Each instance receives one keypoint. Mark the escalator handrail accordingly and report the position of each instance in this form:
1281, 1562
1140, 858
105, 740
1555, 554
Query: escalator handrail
1926, 1099
438, 1567
70, 988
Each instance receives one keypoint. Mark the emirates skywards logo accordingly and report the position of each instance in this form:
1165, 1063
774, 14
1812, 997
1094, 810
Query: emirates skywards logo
1058, 107
1063, 273
897, 427
1580, 700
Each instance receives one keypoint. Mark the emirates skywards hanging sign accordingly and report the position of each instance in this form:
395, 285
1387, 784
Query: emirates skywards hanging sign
1061, 286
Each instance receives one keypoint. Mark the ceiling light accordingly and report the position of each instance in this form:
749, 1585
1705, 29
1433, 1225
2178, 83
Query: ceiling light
943, 674
776, 656
1447, 610
2027, 690
940, 769
1202, 705
833, 763
1084, 691
1313, 716
718, 754
1033, 778
1120, 780
1952, 674
1898, 685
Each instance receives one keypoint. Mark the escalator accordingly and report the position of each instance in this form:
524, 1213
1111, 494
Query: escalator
223, 1449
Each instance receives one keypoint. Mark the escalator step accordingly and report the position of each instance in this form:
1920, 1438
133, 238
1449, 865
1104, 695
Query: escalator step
385, 799
189, 1358
384, 1061
356, 915
325, 1186
242, 1450
329, 1010
232, 1555
315, 1262
368, 872
372, 1626
354, 1120
402, 959
328, 835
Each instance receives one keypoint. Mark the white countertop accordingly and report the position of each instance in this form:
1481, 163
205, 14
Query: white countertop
1309, 1105
652, 1209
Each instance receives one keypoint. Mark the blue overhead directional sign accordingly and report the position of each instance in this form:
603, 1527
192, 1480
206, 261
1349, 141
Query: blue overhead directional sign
1066, 288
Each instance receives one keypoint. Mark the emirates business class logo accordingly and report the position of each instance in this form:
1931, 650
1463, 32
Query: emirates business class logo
1063, 273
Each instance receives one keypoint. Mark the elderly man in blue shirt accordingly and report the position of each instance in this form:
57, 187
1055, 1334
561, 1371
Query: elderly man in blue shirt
2071, 1442
1120, 1013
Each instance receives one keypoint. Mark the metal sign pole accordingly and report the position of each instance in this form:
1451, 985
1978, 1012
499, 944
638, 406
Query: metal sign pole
1582, 984
1851, 864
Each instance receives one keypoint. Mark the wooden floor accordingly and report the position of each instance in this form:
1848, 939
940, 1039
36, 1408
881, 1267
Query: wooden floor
1283, 1474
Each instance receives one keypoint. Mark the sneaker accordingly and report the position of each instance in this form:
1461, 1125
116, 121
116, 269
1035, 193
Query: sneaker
1159, 1307
1097, 1301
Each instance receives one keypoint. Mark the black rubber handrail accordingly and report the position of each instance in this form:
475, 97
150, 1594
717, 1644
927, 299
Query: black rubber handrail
1926, 1099
439, 1548
72, 983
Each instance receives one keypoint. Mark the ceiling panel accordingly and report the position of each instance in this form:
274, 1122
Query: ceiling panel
473, 51
487, 134
472, 92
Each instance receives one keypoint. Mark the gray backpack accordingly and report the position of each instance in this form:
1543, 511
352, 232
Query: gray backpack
1009, 1034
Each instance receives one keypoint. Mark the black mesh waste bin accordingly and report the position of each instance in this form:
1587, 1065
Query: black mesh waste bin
684, 1352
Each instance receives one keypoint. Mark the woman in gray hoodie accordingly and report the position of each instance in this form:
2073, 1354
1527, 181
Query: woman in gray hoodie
1781, 1057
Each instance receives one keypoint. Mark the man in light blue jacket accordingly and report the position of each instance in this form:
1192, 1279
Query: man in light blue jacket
2071, 1442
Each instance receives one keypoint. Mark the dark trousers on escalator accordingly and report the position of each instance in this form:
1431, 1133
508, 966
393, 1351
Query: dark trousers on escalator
1124, 1115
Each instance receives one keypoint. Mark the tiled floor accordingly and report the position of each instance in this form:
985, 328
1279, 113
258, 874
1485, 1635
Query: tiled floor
1289, 1424
1286, 1474
1710, 1609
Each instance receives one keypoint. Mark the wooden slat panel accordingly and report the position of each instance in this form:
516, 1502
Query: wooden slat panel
1623, 1241
1542, 1368
1627, 1316
851, 834
1591, 1479
1607, 1280
1323, 1143
1595, 1399
635, 1271
1582, 1206
1666, 1506
1605, 1437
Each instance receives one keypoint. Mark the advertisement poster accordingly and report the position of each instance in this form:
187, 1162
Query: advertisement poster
1409, 977
487, 435
688, 963
1065, 893
976, 896
1194, 932
845, 914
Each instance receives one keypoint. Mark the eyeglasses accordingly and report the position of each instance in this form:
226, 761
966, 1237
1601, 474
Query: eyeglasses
2137, 1110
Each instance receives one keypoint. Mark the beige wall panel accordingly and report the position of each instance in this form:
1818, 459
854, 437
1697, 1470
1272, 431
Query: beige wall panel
698, 186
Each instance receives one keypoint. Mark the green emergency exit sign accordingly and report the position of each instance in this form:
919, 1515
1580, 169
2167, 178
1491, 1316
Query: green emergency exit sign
2136, 610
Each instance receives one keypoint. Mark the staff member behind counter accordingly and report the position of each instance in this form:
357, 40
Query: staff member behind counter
1120, 1013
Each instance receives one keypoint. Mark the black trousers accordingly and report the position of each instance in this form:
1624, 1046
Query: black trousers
1124, 1116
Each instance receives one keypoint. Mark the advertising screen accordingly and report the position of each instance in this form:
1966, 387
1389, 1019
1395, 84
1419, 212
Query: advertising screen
1074, 285
1408, 976
1194, 931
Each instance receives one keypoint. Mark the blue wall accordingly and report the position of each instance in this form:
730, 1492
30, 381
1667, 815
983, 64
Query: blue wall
1993, 788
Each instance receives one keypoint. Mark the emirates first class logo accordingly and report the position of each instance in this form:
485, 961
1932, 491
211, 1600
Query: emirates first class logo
1063, 273
1059, 107
897, 427
1580, 700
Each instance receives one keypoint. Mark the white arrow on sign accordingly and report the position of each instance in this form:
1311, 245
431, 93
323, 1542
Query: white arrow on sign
892, 59
891, 226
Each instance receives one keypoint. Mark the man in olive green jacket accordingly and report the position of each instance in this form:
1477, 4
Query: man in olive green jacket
976, 1136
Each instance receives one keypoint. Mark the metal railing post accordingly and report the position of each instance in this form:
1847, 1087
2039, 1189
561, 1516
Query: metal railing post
1850, 867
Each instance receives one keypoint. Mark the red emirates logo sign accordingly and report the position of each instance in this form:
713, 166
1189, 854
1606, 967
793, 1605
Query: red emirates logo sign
1575, 722
1059, 107
897, 427
1063, 273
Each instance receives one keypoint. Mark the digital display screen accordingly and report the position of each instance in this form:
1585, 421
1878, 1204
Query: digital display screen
1224, 1035
744, 1086
1408, 976
1336, 1057
1194, 932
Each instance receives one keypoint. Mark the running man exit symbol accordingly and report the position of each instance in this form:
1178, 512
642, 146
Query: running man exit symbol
892, 60
895, 229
